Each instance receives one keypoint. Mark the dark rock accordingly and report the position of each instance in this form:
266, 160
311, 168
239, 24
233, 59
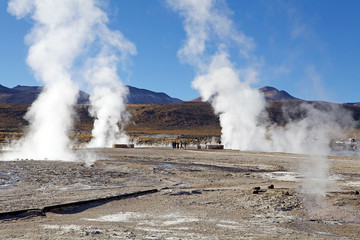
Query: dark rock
256, 190
271, 186
196, 192
181, 193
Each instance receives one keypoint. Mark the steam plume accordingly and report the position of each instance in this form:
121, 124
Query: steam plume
63, 33
109, 94
227, 88
210, 35
107, 102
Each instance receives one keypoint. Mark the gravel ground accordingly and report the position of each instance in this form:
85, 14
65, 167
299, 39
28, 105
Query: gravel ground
196, 194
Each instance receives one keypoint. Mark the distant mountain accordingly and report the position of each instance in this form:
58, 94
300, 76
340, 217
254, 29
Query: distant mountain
273, 94
270, 94
11, 95
35, 89
194, 118
198, 99
28, 94
5, 90
143, 96
353, 104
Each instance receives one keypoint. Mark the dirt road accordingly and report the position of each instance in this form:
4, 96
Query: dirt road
177, 194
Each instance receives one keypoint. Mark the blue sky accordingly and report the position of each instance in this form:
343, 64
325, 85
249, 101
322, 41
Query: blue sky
310, 48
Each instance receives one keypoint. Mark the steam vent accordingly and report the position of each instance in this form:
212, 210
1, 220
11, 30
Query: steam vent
215, 147
123, 145
236, 162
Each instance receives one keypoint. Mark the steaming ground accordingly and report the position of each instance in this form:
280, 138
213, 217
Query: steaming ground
203, 194
69, 37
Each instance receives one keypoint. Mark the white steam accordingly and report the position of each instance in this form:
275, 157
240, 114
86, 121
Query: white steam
107, 103
210, 37
63, 33
109, 94
230, 99
209, 33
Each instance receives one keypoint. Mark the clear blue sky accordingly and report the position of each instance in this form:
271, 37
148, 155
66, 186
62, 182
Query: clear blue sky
310, 48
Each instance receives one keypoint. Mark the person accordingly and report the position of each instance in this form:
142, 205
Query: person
181, 144
177, 145
185, 145
173, 144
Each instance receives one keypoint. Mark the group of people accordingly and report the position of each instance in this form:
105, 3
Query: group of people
178, 144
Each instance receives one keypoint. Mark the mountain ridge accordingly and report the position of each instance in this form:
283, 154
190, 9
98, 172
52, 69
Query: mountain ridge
28, 94
144, 96
273, 94
270, 94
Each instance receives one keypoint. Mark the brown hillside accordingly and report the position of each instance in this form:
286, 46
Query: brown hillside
172, 118
282, 112
186, 118
11, 117
179, 118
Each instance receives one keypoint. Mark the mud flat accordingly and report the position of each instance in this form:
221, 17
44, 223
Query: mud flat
163, 193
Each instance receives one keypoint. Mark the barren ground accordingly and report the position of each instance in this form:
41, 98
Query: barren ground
201, 194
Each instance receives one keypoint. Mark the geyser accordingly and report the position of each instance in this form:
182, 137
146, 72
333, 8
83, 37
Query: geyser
65, 35
241, 109
210, 35
109, 94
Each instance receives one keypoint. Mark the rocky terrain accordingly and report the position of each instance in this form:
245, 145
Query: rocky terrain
163, 193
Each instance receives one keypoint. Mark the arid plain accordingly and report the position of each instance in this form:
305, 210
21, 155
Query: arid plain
165, 193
